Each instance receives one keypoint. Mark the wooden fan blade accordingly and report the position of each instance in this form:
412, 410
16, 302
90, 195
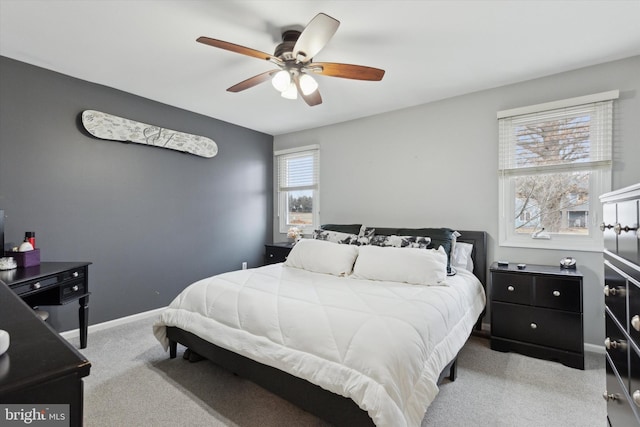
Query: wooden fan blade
234, 48
314, 37
252, 81
313, 98
348, 71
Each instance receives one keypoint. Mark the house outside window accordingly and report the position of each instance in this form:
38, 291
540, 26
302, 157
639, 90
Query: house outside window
297, 186
554, 162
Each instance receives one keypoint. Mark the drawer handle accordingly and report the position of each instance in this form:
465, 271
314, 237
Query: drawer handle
612, 292
604, 226
556, 293
615, 345
270, 255
618, 228
636, 397
606, 396
510, 288
75, 274
534, 326
75, 288
635, 322
36, 285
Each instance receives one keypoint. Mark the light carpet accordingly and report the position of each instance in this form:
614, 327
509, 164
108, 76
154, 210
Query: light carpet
134, 383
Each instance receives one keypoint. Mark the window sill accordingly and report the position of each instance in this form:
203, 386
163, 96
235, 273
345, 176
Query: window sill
554, 244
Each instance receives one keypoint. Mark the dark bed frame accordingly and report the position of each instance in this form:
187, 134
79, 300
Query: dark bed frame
336, 409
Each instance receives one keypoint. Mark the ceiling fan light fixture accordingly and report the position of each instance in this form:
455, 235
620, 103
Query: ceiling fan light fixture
291, 92
294, 59
308, 84
281, 80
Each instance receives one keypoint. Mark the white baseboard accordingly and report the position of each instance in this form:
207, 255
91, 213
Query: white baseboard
592, 348
73, 333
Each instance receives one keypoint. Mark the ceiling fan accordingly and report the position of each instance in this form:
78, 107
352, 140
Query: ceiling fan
294, 57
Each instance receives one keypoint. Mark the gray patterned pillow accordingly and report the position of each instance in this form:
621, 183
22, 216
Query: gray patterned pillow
401, 241
338, 237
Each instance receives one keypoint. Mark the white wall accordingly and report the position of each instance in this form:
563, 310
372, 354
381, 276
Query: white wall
436, 165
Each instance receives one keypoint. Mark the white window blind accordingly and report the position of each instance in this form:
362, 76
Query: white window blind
298, 170
572, 138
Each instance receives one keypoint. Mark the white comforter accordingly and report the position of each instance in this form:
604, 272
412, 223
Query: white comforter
382, 344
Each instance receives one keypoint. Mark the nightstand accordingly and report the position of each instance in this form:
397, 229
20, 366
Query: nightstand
537, 311
277, 252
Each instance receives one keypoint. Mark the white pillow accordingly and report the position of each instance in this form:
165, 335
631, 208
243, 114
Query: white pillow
321, 256
461, 257
405, 265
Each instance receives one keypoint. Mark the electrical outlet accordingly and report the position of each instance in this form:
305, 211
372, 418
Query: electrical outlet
244, 265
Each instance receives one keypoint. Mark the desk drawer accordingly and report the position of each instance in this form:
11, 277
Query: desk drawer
514, 288
72, 290
77, 273
33, 286
561, 294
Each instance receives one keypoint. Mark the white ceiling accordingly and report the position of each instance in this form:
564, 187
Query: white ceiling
430, 49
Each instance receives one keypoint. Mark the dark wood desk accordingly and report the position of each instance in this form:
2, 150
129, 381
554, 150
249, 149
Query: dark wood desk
40, 367
53, 283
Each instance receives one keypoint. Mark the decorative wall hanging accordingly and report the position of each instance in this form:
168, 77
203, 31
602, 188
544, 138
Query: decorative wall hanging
114, 128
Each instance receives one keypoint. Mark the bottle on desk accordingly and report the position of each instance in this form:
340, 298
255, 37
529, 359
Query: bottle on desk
30, 236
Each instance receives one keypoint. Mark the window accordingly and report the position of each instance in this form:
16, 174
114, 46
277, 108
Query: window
298, 202
554, 162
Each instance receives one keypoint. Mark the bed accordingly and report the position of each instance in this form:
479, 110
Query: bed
365, 344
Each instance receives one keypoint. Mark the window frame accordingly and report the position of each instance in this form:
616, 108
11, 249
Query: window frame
599, 181
282, 194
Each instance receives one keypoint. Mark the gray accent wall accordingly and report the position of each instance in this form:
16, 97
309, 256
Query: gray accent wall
436, 165
151, 220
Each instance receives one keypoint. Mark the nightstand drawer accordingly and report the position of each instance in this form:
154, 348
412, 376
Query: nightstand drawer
277, 252
561, 294
515, 288
552, 328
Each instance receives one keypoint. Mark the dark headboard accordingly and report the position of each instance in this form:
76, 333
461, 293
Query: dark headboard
477, 238
479, 255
